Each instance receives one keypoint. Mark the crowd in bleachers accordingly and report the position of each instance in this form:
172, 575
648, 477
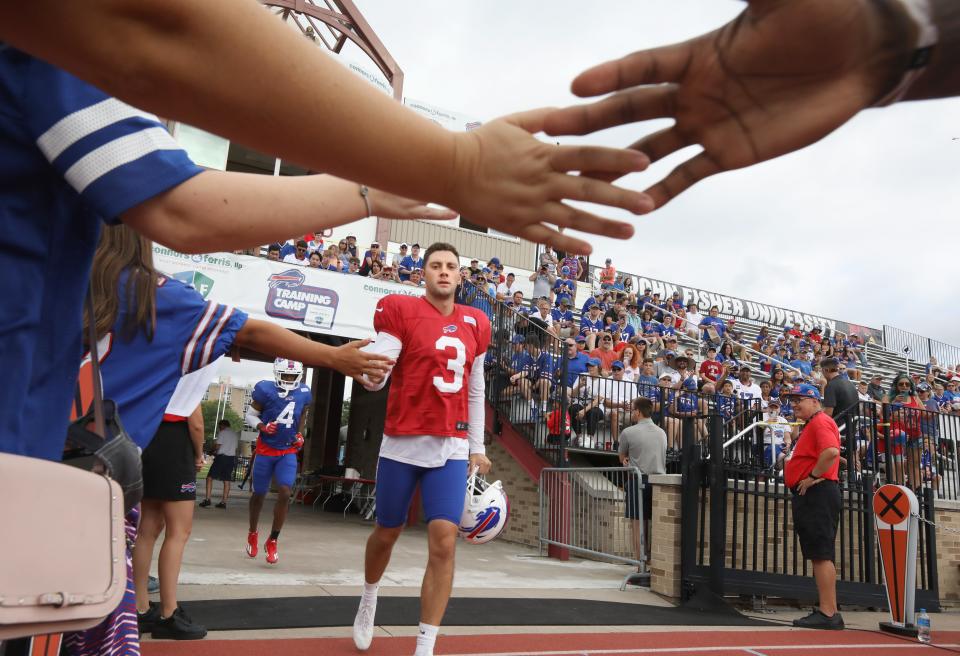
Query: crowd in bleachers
620, 344
405, 267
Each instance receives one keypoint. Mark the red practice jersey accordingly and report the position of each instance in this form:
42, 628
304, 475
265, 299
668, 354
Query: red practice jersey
428, 392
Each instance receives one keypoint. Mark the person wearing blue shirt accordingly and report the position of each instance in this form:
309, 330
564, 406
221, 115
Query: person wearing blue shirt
591, 325
563, 290
563, 319
804, 365
76, 157
537, 377
410, 262
714, 321
576, 361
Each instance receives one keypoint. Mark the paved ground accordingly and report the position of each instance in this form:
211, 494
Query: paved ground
322, 554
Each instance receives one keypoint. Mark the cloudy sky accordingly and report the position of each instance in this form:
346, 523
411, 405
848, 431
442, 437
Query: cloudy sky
860, 227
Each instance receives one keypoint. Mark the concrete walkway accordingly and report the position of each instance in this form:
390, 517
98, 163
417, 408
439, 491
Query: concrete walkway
321, 553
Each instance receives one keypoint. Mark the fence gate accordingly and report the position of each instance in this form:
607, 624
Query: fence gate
737, 534
595, 512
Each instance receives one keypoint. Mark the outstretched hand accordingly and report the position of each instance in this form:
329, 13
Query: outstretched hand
780, 76
353, 362
517, 184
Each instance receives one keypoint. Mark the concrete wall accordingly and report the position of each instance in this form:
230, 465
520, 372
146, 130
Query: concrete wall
948, 551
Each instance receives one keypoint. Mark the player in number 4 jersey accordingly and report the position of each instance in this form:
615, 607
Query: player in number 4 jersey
277, 411
434, 426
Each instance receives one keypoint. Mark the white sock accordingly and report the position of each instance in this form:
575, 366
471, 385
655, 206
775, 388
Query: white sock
369, 594
426, 639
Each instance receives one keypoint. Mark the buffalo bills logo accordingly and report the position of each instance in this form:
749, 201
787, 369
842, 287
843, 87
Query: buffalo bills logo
187, 488
487, 518
289, 278
289, 297
449, 329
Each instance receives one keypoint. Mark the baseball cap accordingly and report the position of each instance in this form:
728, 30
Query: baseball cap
416, 246
647, 289
773, 402
690, 384
667, 376
485, 270
494, 260
609, 261
594, 305
923, 387
566, 301
403, 245
876, 376
593, 362
803, 389
617, 364
580, 339
669, 354
518, 339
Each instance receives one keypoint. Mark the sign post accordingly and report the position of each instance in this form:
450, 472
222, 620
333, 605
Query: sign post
896, 509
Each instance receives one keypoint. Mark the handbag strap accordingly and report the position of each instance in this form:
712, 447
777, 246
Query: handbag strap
99, 422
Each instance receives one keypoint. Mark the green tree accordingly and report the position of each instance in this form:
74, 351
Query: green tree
209, 409
345, 413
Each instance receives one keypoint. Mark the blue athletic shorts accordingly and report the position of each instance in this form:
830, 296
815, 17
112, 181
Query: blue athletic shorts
282, 468
442, 490
771, 452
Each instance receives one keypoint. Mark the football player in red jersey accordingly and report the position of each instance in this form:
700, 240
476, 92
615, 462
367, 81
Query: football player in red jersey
432, 435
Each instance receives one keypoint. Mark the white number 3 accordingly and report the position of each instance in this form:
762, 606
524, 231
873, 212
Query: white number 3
455, 364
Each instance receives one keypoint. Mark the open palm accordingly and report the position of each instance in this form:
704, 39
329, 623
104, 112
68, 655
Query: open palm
780, 76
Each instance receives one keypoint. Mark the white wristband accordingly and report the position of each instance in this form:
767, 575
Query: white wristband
921, 12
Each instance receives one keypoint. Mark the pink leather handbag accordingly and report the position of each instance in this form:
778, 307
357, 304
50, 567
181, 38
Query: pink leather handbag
64, 562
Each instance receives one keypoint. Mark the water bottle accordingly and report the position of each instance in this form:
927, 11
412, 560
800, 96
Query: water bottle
923, 626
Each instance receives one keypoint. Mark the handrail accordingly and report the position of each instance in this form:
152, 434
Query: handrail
754, 425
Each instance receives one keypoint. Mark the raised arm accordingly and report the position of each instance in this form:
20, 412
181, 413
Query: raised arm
197, 62
780, 76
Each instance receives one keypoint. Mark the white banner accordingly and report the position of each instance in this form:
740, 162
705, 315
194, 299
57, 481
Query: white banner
449, 120
292, 296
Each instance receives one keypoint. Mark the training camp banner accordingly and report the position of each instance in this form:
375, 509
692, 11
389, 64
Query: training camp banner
292, 296
744, 309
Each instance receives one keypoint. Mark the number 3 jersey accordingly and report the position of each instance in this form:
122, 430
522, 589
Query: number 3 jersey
285, 411
430, 382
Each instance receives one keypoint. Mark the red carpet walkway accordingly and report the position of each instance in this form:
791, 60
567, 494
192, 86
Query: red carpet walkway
673, 643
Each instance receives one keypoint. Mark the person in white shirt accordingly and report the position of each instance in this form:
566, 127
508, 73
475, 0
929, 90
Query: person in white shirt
223, 463
693, 319
744, 386
507, 288
777, 435
299, 255
398, 258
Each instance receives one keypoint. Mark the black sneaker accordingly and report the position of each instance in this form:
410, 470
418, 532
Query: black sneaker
147, 621
178, 626
205, 503
817, 620
222, 504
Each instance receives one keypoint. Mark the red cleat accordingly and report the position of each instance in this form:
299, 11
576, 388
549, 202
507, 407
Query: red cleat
252, 544
270, 546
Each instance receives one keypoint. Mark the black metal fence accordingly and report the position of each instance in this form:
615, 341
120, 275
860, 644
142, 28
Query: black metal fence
737, 525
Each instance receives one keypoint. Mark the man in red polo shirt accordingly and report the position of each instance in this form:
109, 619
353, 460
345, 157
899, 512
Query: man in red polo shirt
811, 472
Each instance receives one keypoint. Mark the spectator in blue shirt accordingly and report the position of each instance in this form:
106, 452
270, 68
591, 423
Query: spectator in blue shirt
714, 321
591, 325
411, 262
537, 378
596, 298
563, 319
564, 289
576, 362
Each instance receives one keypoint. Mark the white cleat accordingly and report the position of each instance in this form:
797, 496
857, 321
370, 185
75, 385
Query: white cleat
363, 625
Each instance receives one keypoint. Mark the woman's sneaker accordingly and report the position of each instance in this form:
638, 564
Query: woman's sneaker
147, 621
178, 626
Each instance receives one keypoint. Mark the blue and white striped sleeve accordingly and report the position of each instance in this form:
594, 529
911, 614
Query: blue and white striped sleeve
212, 336
114, 155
